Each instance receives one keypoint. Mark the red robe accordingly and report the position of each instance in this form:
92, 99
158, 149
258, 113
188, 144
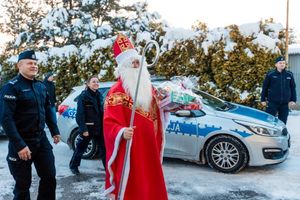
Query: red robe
143, 178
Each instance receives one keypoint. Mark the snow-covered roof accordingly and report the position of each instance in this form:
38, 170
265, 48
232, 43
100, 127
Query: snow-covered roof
294, 49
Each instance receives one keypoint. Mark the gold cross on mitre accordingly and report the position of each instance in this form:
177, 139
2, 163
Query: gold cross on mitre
124, 42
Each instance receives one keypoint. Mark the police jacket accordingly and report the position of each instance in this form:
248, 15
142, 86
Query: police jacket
90, 112
26, 108
51, 91
279, 87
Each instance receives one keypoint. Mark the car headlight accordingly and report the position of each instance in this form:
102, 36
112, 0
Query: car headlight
261, 130
264, 131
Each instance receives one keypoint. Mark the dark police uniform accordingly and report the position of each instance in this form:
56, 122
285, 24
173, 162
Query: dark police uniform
89, 117
51, 92
25, 111
278, 90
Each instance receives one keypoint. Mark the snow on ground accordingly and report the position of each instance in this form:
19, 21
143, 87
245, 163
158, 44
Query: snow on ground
280, 181
184, 180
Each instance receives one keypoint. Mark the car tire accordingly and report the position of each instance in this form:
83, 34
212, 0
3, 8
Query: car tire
91, 150
226, 154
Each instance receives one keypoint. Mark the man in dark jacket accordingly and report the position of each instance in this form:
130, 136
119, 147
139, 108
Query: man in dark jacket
279, 90
48, 81
89, 117
26, 109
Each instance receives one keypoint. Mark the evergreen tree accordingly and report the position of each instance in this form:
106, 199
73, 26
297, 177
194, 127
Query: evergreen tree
63, 27
16, 14
226, 61
22, 23
53, 3
228, 64
100, 10
8, 70
292, 36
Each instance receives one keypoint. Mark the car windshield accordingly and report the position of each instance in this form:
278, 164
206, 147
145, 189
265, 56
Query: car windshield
213, 102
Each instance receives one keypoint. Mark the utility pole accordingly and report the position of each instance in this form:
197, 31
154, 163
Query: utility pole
287, 33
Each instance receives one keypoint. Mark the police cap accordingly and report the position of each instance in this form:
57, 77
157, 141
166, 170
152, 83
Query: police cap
28, 54
278, 59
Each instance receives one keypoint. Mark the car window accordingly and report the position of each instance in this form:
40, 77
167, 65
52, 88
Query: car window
213, 102
76, 98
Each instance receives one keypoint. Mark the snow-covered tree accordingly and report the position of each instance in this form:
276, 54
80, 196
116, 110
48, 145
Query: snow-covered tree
20, 19
52, 3
63, 27
81, 22
75, 41
101, 10
230, 62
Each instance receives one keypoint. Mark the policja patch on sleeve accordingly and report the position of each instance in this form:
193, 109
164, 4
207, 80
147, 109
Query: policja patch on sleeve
9, 97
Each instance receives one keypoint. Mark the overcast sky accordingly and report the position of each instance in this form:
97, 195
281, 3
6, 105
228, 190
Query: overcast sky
219, 13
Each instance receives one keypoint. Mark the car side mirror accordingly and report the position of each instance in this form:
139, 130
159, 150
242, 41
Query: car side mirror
183, 113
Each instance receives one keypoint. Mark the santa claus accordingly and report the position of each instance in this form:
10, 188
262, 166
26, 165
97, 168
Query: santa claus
143, 176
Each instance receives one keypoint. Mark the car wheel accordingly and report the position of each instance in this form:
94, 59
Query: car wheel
90, 151
226, 154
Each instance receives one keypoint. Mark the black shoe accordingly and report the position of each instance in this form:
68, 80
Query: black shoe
75, 171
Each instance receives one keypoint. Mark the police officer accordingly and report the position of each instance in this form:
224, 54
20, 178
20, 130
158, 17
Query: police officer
49, 83
279, 90
25, 111
89, 117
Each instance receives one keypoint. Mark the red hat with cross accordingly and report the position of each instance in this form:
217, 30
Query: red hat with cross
123, 48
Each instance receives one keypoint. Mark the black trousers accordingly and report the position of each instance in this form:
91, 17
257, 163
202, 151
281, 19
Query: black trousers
43, 159
81, 146
282, 109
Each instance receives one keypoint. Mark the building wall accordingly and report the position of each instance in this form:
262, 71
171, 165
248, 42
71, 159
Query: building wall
294, 66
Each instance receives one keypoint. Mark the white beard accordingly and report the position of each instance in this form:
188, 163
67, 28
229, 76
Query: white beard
129, 77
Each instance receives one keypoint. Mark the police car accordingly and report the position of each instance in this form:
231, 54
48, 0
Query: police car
225, 135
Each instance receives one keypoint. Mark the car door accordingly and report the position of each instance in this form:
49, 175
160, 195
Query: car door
181, 136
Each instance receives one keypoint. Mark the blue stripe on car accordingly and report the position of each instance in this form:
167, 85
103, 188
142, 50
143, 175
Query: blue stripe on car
253, 113
190, 129
207, 129
70, 113
182, 128
242, 133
